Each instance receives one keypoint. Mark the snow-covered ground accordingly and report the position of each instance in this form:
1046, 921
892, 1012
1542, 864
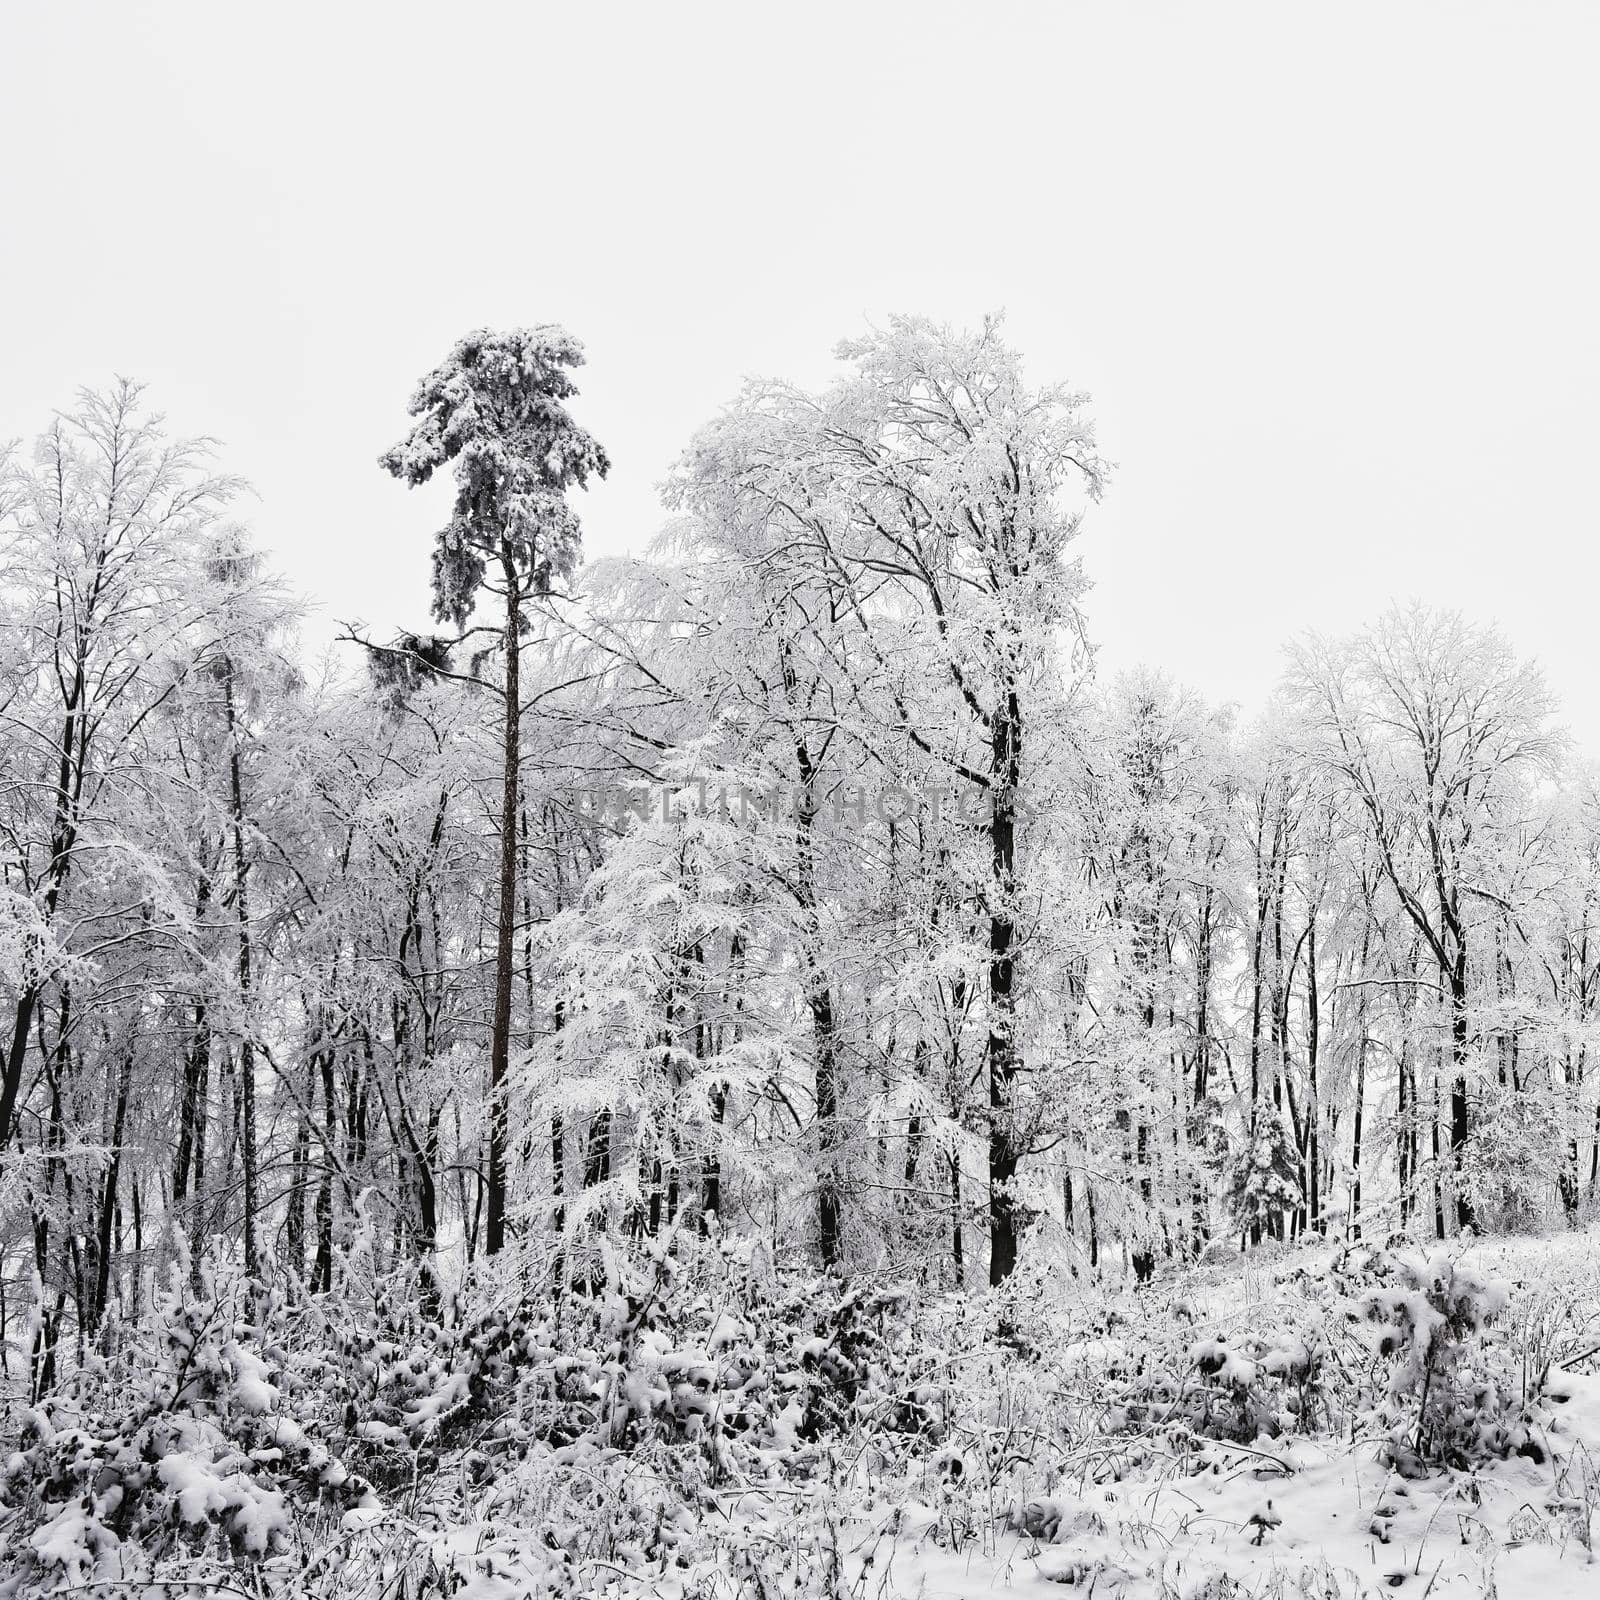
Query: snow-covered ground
1330, 1520
1308, 1515
1143, 1513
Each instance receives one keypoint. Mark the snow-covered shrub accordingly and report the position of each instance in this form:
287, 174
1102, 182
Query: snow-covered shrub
1444, 1389
1185, 1374
695, 1418
1235, 1388
701, 1350
183, 1444
340, 1433
1230, 1400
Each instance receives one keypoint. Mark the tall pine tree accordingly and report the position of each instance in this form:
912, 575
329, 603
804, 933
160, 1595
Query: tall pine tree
495, 409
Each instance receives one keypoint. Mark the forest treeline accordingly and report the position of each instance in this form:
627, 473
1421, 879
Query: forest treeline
292, 948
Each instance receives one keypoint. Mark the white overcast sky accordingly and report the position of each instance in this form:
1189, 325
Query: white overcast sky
1331, 273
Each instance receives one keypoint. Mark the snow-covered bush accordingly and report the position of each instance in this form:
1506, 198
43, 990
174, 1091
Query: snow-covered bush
1237, 1388
1434, 1380
695, 1418
184, 1443
1201, 1368
705, 1349
1448, 1399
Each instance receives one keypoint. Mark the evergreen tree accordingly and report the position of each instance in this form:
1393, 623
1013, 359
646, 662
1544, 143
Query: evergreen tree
494, 408
1264, 1180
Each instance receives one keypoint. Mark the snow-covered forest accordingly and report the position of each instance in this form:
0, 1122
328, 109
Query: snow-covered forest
753, 1067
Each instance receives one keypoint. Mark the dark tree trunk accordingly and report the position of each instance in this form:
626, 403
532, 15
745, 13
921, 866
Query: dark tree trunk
827, 1123
505, 934
1459, 1121
819, 995
1313, 1157
247, 1047
322, 1269
294, 1222
1005, 776
1407, 1154
711, 1172
136, 1287
1356, 1119
597, 1160
1438, 1178
958, 1246
63, 836
108, 1196
558, 1150
191, 1108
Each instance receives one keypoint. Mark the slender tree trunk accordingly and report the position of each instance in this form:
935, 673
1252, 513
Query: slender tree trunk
136, 1288
108, 1197
198, 1219
1438, 1176
1257, 976
63, 836
228, 1104
1459, 1122
505, 940
1594, 1154
1313, 1157
558, 1150
711, 1172
191, 1108
294, 1222
819, 994
1005, 773
1410, 1131
597, 1159
16, 1056
322, 1267
819, 999
247, 1046
1359, 1109
958, 1248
